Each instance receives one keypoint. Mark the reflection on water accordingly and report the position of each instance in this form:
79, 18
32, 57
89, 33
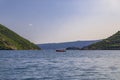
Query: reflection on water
50, 65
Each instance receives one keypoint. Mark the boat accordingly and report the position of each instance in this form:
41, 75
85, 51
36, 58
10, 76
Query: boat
60, 50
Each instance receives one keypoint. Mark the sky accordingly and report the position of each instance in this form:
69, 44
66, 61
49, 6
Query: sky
53, 21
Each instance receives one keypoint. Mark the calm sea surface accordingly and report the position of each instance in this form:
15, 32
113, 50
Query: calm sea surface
51, 65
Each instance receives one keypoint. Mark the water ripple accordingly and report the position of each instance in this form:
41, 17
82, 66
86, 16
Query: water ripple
49, 65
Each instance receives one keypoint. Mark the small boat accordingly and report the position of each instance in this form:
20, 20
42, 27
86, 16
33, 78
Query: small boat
60, 50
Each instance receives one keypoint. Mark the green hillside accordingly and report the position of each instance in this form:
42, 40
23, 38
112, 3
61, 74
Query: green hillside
111, 43
9, 40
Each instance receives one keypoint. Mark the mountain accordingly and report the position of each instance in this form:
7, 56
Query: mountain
64, 45
9, 40
73, 48
111, 43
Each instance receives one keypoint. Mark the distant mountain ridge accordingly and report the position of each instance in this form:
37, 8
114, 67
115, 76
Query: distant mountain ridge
9, 40
64, 45
111, 43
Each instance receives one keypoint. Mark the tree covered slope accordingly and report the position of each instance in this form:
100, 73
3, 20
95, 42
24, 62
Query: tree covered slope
111, 43
9, 40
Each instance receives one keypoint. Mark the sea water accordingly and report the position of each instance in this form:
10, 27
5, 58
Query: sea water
51, 65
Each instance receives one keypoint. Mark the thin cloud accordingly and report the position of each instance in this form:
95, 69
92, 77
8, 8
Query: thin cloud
30, 24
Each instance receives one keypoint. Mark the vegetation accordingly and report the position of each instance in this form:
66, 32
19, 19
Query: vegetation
111, 43
9, 40
73, 48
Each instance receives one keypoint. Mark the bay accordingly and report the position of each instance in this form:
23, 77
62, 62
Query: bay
51, 65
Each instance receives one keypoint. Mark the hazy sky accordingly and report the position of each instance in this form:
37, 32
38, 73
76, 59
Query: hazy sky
46, 21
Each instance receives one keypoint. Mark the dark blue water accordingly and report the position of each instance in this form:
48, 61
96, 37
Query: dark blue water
51, 65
